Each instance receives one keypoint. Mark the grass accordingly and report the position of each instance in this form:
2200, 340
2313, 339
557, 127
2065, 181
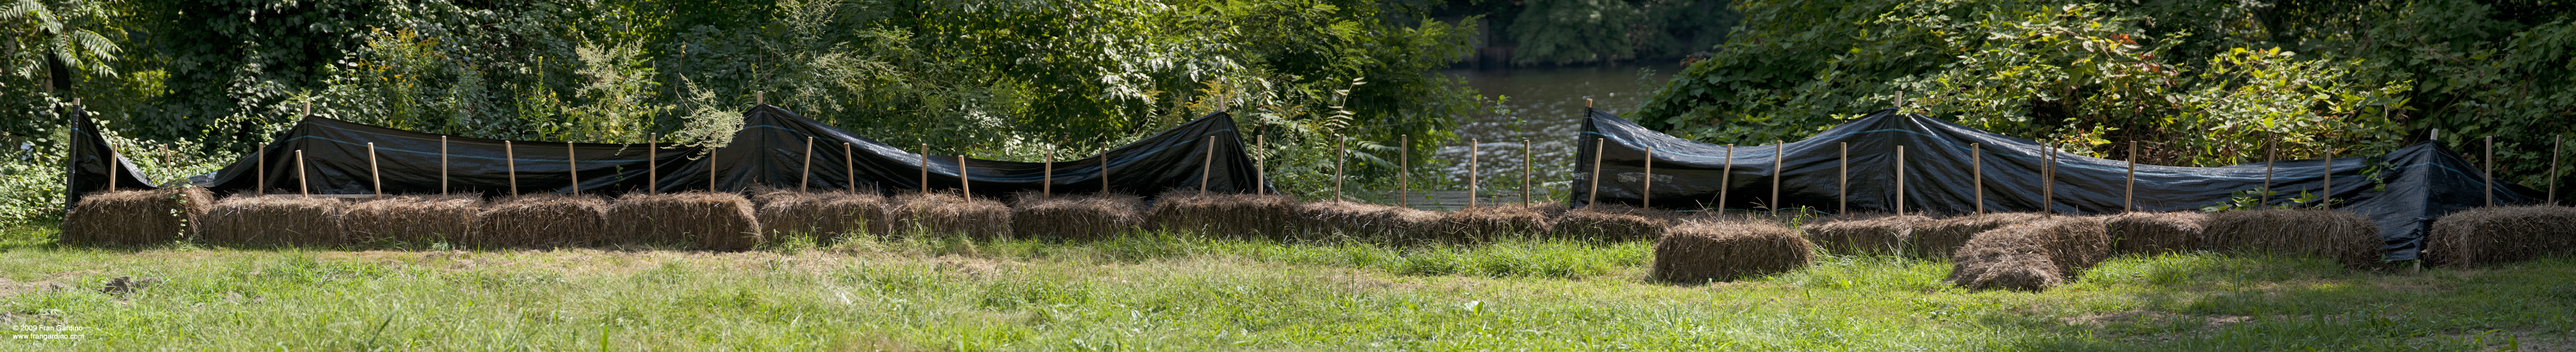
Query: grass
1184, 292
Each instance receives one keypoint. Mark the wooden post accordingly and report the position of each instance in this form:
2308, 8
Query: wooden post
1404, 170
1104, 168
301, 178
1207, 163
2129, 198
373, 172
2269, 153
1526, 166
2048, 180
1260, 178
570, 161
442, 165
1777, 149
759, 98
1471, 172
112, 165
262, 150
1046, 187
2327, 200
1594, 196
1900, 180
711, 172
510, 158
1726, 179
925, 168
1339, 155
1842, 191
652, 163
850, 171
1646, 195
2490, 171
965, 183
1977, 162
805, 177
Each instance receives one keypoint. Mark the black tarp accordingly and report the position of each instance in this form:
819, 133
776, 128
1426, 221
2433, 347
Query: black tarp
770, 151
89, 164
2416, 183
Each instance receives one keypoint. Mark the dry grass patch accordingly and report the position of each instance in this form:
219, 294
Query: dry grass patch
2497, 235
949, 214
276, 221
412, 219
708, 220
1076, 216
2031, 255
2157, 233
2346, 237
1227, 214
132, 218
1374, 222
1864, 233
540, 221
825, 216
1940, 238
1704, 251
1612, 222
1481, 224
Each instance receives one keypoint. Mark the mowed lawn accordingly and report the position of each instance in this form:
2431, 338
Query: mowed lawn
1166, 292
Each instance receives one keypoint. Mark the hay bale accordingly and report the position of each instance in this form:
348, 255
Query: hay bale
276, 221
707, 220
2156, 233
1704, 251
949, 214
2343, 236
132, 218
2031, 255
826, 216
1485, 223
1939, 238
411, 219
1611, 222
1373, 222
1076, 216
1227, 214
540, 221
2497, 235
1864, 233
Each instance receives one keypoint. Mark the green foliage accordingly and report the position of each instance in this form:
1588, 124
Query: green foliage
2198, 83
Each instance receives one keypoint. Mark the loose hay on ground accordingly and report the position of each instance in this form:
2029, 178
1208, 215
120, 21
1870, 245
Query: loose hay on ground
942, 214
1939, 238
1076, 216
276, 221
130, 218
2498, 235
540, 221
706, 220
825, 216
1486, 223
411, 220
2343, 236
1612, 222
2031, 255
2157, 233
1704, 251
1864, 233
1363, 221
1227, 214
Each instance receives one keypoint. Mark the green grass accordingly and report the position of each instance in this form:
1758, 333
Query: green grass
1165, 292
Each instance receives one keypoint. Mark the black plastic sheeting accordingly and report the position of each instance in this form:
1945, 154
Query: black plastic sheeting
2414, 184
769, 152
89, 166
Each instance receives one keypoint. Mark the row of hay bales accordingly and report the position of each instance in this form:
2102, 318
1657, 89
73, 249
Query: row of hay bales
2032, 251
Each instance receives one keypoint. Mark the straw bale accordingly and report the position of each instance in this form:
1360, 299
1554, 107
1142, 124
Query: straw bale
1375, 222
1612, 222
1485, 223
2031, 255
2157, 233
1938, 238
130, 218
541, 220
2498, 235
949, 214
276, 221
1702, 251
1864, 233
1227, 214
412, 219
1076, 216
825, 215
707, 220
2343, 236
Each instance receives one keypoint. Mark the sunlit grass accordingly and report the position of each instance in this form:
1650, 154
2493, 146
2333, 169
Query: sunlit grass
1158, 291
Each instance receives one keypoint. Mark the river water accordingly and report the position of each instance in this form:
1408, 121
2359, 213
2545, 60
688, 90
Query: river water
1545, 107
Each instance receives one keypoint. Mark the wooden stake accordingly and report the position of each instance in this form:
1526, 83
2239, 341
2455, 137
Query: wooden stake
1646, 195
1104, 167
2129, 198
925, 168
2490, 171
302, 179
112, 165
805, 178
1977, 160
2327, 200
1404, 171
1047, 187
2269, 153
509, 157
1842, 191
571, 161
850, 171
1525, 172
262, 149
1594, 196
759, 98
1339, 155
1260, 176
1471, 172
711, 172
1900, 180
652, 163
1726, 179
1207, 163
965, 183
373, 172
2048, 180
1776, 152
